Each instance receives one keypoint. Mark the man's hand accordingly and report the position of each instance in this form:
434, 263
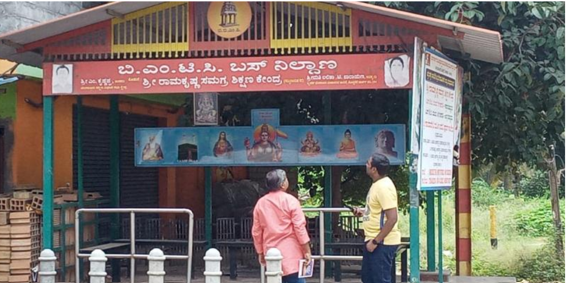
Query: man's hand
357, 211
261, 259
308, 258
370, 246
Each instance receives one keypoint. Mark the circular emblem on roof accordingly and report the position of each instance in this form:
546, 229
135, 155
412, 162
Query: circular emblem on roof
229, 19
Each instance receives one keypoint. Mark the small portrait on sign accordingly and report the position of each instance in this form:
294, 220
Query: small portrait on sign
205, 109
62, 79
397, 71
152, 150
347, 147
187, 148
310, 146
223, 147
385, 144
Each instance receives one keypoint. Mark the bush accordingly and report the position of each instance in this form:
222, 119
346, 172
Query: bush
535, 186
483, 195
545, 265
537, 222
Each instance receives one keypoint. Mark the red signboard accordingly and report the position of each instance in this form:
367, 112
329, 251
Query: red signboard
284, 73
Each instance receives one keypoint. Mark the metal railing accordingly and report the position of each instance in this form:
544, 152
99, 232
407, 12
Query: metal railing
322, 257
133, 255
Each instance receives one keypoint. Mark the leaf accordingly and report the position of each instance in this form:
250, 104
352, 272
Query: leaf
560, 32
536, 12
469, 14
500, 19
519, 109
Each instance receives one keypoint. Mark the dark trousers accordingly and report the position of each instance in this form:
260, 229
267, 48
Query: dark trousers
376, 267
292, 278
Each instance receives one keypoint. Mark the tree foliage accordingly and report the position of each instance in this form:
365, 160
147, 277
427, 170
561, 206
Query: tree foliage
517, 107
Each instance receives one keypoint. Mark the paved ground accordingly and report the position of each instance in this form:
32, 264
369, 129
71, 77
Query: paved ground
453, 279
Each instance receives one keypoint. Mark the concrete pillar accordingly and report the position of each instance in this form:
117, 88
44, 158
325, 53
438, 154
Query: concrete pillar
156, 273
98, 266
273, 266
212, 266
47, 266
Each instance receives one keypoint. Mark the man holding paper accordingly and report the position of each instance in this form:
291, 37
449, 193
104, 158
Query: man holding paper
380, 222
279, 222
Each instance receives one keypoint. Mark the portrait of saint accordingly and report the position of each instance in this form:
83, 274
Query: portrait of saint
384, 144
347, 148
206, 109
310, 145
222, 147
62, 78
152, 151
397, 71
265, 147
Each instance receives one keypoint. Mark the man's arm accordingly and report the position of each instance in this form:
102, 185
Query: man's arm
392, 218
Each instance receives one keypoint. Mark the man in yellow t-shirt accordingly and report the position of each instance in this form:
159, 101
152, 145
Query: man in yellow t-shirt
380, 222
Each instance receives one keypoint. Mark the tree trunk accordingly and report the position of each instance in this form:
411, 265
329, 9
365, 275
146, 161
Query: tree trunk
553, 178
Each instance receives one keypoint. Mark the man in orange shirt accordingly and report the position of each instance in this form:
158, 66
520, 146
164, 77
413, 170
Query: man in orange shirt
279, 222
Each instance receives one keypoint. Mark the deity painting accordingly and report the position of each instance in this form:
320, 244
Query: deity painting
152, 151
222, 147
397, 71
384, 142
310, 145
205, 109
265, 147
347, 148
187, 149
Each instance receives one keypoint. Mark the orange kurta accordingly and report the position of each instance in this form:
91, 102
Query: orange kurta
279, 222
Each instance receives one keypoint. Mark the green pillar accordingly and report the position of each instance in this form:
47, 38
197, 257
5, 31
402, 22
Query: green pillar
440, 239
80, 188
115, 164
328, 186
47, 172
208, 208
431, 230
414, 211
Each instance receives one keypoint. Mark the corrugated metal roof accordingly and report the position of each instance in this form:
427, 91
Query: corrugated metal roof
480, 44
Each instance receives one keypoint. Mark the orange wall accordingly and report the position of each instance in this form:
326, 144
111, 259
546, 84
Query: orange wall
27, 154
178, 187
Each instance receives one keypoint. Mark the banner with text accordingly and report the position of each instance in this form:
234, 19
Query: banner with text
437, 121
283, 73
268, 145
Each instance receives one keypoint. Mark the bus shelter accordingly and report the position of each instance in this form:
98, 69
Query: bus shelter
125, 57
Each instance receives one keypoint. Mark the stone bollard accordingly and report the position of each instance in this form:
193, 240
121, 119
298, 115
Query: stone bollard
98, 266
47, 266
273, 266
156, 273
212, 266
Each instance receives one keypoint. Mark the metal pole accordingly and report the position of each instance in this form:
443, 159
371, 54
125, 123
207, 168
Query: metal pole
208, 208
115, 177
190, 247
322, 245
47, 172
80, 189
414, 213
114, 164
440, 240
431, 230
132, 246
328, 183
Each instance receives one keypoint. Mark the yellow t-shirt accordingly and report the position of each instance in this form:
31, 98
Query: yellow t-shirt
381, 196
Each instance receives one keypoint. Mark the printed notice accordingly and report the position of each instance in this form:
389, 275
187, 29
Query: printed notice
438, 121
